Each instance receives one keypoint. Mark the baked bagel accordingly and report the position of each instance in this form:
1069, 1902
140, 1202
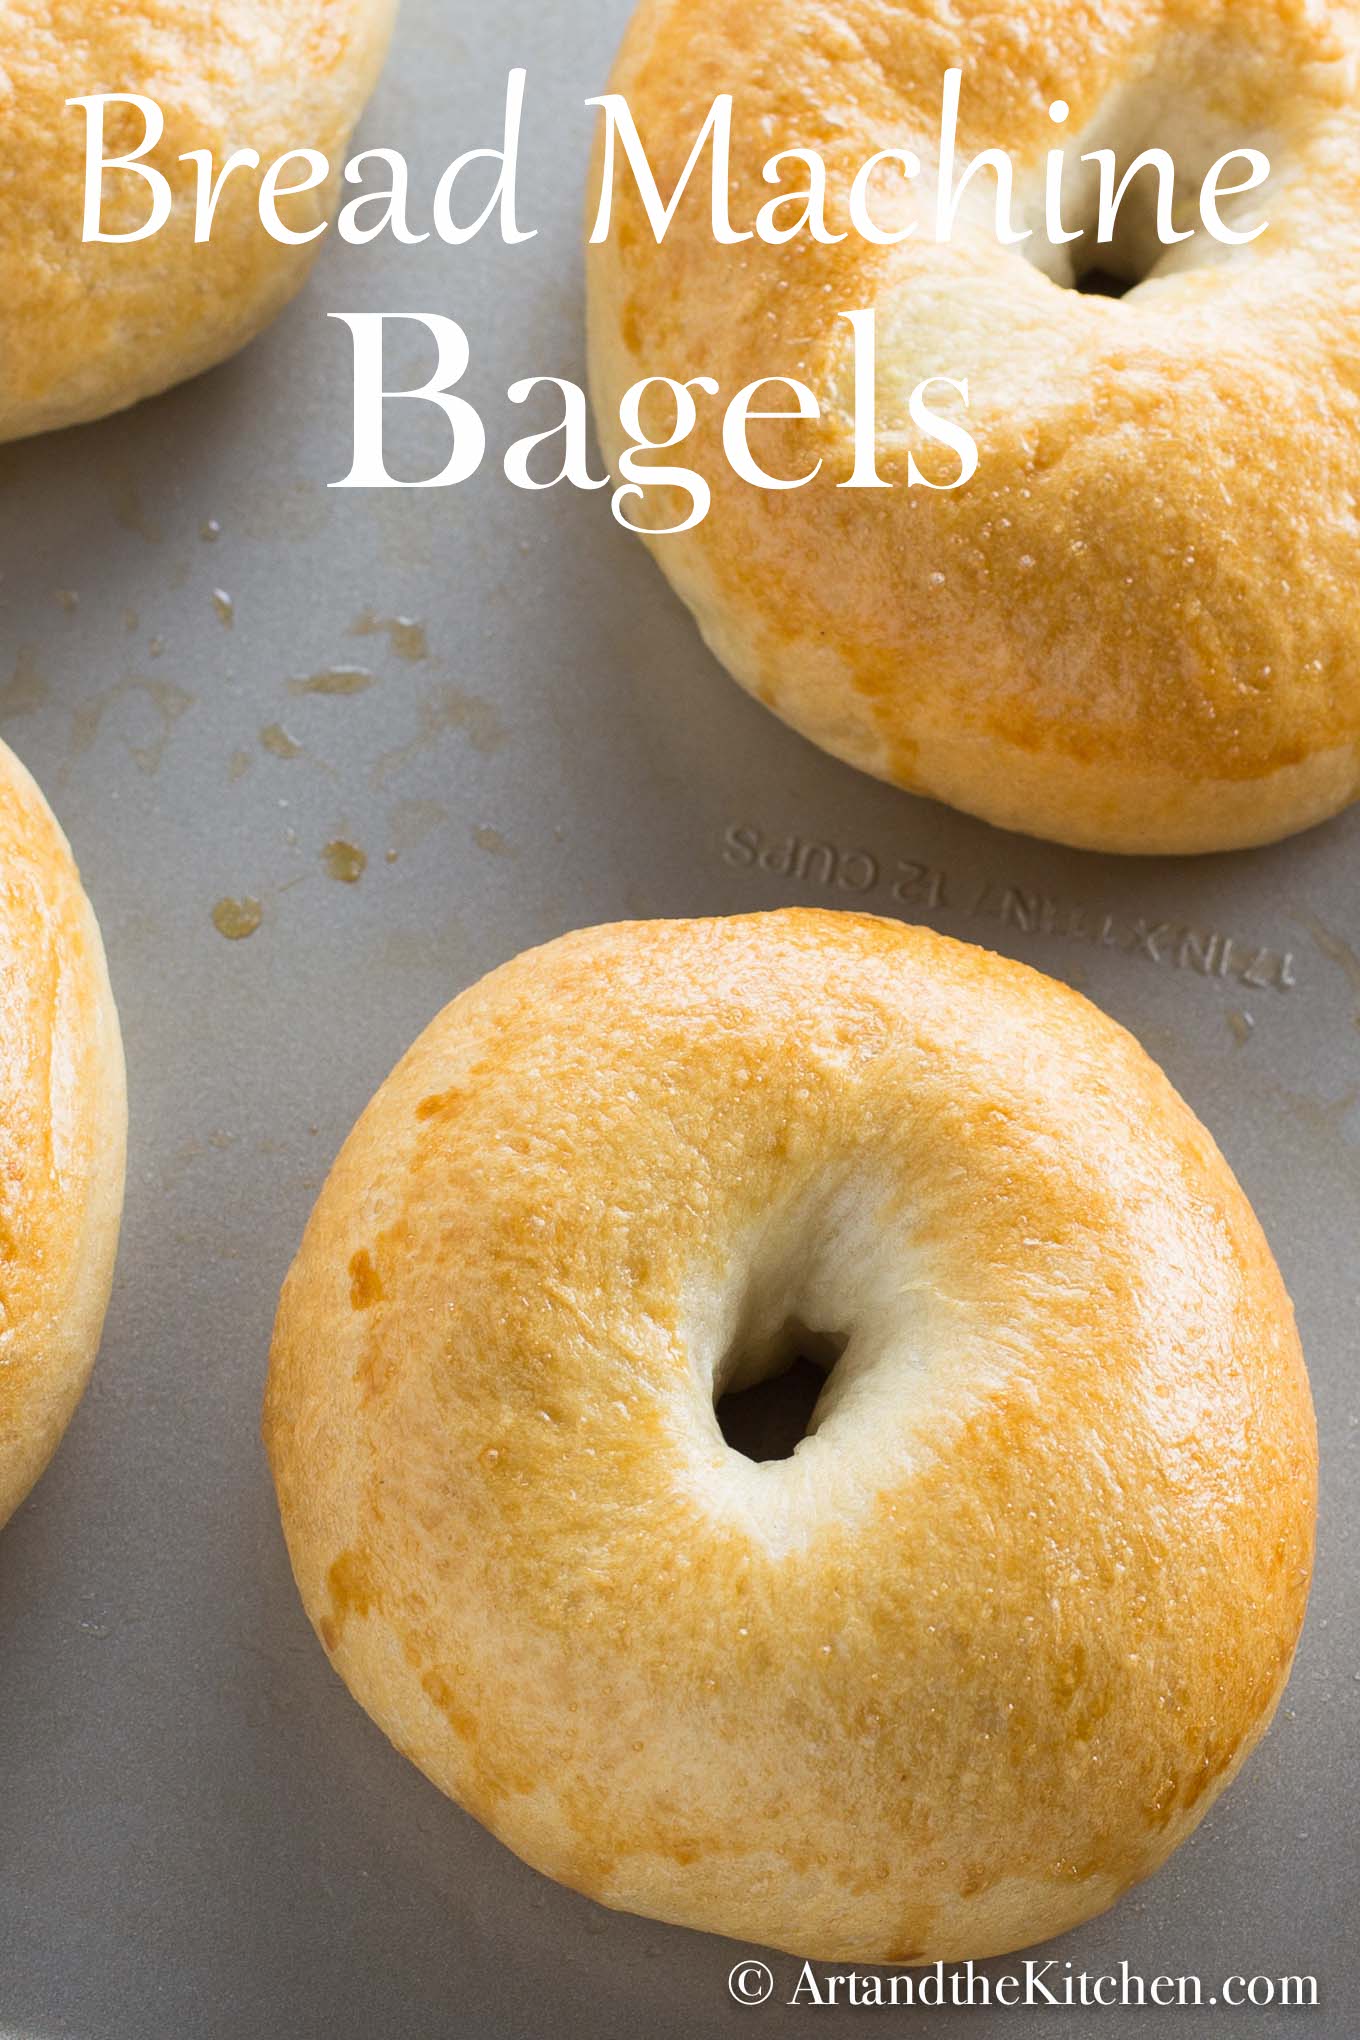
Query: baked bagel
63, 1127
1134, 628
89, 327
984, 1649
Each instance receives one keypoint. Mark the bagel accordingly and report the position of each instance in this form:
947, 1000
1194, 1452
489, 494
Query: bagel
985, 1647
1134, 628
89, 327
63, 1128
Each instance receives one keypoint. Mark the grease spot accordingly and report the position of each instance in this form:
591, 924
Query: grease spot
1241, 1025
494, 843
239, 765
167, 699
26, 689
236, 919
344, 861
333, 680
448, 709
278, 743
130, 511
406, 637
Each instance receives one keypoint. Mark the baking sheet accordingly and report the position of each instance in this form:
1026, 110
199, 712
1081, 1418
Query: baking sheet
200, 1833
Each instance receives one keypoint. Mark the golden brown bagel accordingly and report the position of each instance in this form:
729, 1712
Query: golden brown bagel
87, 328
1135, 628
984, 1650
63, 1127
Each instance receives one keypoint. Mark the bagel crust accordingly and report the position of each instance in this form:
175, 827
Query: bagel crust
88, 327
63, 1128
983, 1651
1134, 629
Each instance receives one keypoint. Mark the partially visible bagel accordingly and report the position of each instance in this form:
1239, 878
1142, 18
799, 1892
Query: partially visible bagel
988, 1645
87, 328
1135, 628
63, 1130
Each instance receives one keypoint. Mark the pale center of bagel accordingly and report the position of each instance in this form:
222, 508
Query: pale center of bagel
1137, 118
825, 1354
985, 311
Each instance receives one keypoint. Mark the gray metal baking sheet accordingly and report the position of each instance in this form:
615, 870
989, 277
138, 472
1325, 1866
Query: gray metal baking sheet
200, 1833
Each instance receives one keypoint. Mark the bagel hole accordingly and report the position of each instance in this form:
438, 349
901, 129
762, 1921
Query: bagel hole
1113, 269
1104, 283
770, 1418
